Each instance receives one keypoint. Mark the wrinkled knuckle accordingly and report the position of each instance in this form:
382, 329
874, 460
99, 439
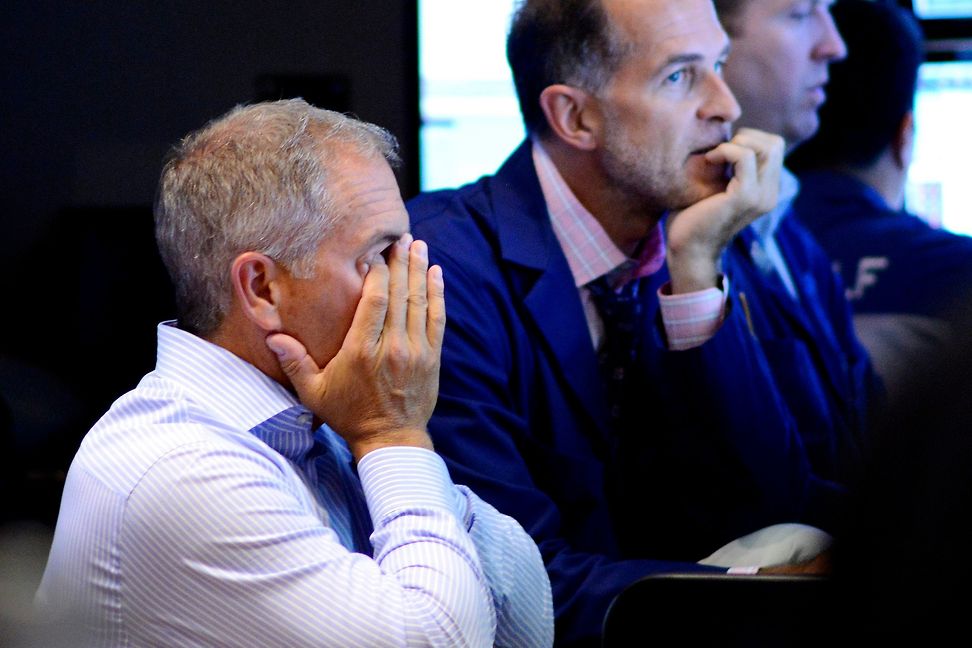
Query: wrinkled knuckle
289, 367
361, 355
437, 318
376, 300
417, 300
398, 353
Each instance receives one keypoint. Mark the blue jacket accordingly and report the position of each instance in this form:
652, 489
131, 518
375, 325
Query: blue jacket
821, 370
922, 270
522, 415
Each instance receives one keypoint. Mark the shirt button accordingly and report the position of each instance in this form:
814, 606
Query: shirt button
304, 419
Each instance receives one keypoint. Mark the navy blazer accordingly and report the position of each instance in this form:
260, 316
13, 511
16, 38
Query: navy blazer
522, 414
822, 371
926, 271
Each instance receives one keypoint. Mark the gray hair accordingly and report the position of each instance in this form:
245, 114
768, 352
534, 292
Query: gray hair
255, 179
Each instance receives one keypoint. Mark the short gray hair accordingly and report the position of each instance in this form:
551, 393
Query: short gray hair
255, 179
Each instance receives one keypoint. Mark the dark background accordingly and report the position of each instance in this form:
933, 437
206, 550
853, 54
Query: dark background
93, 94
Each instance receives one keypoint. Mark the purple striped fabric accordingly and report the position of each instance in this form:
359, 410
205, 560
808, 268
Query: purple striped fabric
204, 510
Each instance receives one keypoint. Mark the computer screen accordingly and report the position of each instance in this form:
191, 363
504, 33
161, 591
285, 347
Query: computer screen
939, 184
470, 119
942, 9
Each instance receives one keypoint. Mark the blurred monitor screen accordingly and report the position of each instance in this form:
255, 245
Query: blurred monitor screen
471, 120
942, 9
470, 116
939, 186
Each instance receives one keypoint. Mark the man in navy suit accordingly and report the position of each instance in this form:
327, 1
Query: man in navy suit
617, 468
904, 278
778, 69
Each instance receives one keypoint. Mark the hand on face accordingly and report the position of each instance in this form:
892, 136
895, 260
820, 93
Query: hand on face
698, 234
380, 388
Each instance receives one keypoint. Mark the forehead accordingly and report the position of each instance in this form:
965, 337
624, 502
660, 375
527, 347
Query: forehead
754, 10
365, 196
659, 29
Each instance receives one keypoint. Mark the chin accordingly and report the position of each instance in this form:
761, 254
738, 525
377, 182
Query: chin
711, 183
698, 190
801, 131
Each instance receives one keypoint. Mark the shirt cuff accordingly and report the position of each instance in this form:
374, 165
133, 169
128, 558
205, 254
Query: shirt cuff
691, 319
749, 569
405, 479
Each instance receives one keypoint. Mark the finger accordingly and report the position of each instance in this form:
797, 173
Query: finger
437, 311
398, 284
418, 302
742, 159
296, 363
369, 316
769, 148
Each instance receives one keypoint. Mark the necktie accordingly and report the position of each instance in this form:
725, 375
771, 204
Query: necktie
622, 313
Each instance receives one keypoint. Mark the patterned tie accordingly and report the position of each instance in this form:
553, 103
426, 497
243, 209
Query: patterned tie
623, 315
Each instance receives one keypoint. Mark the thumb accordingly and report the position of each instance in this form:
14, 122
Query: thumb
295, 362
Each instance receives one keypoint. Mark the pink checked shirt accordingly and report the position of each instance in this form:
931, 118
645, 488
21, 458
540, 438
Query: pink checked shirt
690, 319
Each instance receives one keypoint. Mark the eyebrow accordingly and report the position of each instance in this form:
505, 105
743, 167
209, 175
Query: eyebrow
386, 238
691, 58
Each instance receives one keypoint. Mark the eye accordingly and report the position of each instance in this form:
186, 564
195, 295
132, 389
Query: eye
719, 65
676, 77
803, 10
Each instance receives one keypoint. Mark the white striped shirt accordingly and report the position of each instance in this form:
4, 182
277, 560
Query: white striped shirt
204, 510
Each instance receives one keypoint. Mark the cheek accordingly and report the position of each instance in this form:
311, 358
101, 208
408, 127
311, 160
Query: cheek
343, 299
325, 312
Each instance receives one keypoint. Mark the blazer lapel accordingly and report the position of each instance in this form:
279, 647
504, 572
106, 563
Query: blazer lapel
818, 321
803, 315
771, 286
541, 278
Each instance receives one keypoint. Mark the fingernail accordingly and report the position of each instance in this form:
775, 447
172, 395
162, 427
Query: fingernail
273, 346
422, 250
406, 240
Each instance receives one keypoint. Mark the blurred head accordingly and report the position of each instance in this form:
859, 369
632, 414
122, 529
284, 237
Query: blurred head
277, 201
647, 104
777, 69
871, 92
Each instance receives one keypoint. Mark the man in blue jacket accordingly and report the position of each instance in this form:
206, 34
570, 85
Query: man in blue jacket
778, 69
903, 277
617, 468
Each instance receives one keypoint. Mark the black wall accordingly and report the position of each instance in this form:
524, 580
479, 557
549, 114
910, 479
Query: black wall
92, 93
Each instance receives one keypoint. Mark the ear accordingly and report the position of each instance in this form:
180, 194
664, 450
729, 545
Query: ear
902, 146
574, 115
257, 287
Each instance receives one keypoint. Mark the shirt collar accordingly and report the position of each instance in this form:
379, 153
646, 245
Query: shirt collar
765, 226
230, 391
589, 250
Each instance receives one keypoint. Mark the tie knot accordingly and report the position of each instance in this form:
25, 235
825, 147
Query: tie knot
618, 308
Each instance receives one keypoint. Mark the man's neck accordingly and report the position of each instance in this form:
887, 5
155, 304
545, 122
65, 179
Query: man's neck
885, 177
247, 342
626, 224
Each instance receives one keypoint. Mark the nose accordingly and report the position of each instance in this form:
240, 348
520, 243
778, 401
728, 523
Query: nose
720, 104
830, 46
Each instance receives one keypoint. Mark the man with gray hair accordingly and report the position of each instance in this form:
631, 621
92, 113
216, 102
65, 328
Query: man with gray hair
210, 506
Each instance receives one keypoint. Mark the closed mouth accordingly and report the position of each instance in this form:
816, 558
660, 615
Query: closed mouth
706, 149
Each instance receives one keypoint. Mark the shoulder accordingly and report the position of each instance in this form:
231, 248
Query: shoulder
158, 425
481, 206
